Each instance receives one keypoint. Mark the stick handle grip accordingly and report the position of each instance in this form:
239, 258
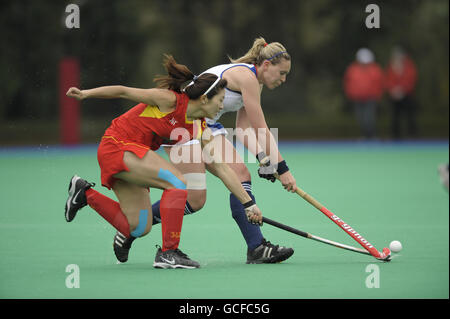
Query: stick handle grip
309, 198
305, 196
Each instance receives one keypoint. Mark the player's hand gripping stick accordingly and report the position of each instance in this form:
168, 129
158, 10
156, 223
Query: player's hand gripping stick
253, 213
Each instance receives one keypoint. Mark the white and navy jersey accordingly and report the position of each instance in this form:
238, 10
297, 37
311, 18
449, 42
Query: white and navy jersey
233, 99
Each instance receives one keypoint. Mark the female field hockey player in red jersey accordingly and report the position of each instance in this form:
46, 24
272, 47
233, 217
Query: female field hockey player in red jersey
264, 65
130, 166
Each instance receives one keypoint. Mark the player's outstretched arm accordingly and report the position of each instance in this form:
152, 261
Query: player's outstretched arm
160, 97
230, 179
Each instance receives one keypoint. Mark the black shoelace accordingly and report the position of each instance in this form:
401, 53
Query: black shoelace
268, 243
181, 253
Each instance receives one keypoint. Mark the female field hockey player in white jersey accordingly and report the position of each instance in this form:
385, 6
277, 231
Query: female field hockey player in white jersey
265, 64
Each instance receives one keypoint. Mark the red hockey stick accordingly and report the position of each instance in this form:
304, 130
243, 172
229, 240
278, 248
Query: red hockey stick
311, 236
385, 255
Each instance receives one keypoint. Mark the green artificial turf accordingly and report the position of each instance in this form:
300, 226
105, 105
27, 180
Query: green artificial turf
385, 192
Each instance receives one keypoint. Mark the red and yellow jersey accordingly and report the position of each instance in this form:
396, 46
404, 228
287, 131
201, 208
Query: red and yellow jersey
146, 124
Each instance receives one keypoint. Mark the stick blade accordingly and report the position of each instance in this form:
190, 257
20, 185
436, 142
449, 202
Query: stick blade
385, 254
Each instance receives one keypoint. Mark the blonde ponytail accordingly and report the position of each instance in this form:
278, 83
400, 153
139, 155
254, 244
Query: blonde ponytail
261, 50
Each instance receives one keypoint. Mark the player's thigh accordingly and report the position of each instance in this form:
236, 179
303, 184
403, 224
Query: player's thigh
186, 155
135, 204
231, 156
187, 159
151, 171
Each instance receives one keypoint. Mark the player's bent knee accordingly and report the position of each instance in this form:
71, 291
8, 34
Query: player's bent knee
196, 186
195, 181
196, 203
168, 176
242, 172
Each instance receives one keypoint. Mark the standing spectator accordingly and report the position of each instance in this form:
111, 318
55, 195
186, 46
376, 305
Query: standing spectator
401, 78
363, 86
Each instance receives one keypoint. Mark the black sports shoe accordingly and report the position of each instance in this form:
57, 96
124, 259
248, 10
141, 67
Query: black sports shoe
122, 246
173, 259
77, 198
267, 253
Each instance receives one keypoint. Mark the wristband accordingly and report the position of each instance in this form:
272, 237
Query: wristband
249, 203
282, 167
260, 156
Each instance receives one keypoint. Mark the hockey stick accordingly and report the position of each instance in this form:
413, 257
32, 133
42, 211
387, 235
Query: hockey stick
311, 236
385, 255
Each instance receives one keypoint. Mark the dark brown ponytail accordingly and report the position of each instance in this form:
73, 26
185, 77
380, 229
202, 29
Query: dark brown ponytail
179, 78
177, 75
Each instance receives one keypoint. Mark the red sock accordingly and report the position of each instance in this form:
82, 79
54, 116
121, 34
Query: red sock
109, 210
172, 206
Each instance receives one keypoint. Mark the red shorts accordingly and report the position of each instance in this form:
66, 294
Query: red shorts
110, 157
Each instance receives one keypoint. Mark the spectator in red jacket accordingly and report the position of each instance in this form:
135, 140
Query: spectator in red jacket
363, 86
401, 78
